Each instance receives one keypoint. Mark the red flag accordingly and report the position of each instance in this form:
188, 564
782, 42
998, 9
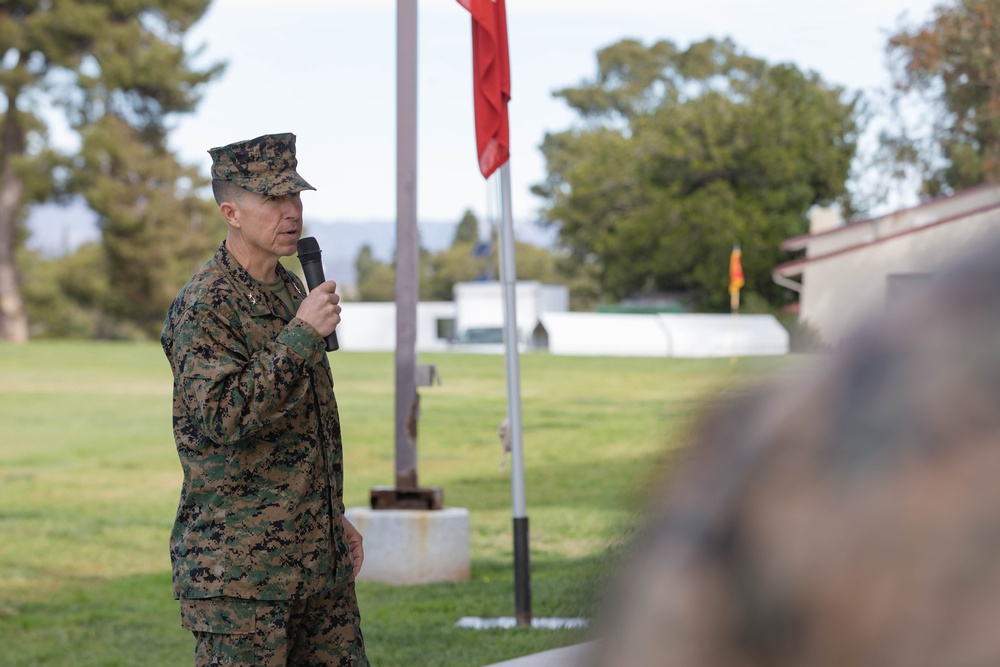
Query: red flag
490, 81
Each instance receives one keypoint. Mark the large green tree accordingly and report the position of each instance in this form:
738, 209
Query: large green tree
680, 154
119, 70
950, 66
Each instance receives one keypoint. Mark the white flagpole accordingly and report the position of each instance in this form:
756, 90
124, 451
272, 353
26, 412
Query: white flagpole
508, 278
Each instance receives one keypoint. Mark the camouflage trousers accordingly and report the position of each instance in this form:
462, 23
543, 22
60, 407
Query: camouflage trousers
312, 632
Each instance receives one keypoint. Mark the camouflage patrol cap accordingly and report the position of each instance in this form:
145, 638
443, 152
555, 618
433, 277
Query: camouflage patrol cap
265, 165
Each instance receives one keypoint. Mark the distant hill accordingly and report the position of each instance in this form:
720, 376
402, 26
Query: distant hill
55, 230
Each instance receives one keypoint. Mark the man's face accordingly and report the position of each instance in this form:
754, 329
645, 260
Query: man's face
271, 226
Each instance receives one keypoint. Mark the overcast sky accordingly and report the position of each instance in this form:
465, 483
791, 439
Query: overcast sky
325, 70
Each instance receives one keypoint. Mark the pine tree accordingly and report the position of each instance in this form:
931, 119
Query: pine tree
119, 70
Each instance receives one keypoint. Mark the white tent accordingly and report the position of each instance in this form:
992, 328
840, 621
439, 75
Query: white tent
370, 327
717, 335
663, 335
606, 335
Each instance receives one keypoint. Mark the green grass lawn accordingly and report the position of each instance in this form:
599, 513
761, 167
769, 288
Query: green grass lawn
89, 482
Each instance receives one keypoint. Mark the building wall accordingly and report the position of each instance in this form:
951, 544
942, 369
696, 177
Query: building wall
838, 292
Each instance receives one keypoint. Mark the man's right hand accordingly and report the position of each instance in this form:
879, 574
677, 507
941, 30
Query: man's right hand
321, 308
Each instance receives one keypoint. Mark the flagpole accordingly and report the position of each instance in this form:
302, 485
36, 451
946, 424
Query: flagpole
491, 93
508, 277
407, 245
735, 306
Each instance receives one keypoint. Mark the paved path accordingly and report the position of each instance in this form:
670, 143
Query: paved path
568, 656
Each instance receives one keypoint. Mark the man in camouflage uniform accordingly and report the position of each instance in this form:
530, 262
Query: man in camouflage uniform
263, 558
847, 516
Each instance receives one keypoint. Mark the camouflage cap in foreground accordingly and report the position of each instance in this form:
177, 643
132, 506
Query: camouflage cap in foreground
265, 165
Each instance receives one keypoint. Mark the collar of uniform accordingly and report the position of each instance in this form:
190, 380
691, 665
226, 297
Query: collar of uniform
295, 288
256, 298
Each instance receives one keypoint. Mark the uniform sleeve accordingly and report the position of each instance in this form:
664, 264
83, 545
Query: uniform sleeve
231, 393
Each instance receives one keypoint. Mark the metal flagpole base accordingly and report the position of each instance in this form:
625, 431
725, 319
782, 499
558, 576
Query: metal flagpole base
522, 573
388, 498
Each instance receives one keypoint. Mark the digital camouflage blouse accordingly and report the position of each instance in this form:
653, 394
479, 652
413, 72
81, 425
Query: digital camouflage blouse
258, 435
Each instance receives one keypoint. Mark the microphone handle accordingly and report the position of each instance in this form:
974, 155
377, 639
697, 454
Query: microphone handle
314, 276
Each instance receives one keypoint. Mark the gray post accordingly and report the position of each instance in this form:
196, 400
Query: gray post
406, 494
407, 283
508, 277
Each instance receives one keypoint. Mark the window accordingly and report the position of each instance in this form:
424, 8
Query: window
445, 328
483, 335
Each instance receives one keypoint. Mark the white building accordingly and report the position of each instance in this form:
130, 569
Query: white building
852, 270
371, 327
480, 310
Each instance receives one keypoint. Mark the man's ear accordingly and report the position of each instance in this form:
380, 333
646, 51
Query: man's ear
230, 212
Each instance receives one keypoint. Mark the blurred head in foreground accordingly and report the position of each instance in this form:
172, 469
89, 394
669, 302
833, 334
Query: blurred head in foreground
850, 517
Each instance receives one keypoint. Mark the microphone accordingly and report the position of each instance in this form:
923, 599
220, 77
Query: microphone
312, 267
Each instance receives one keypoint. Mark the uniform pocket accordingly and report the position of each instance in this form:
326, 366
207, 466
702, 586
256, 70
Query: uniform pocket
219, 615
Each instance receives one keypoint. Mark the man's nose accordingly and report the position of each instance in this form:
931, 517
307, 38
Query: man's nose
292, 207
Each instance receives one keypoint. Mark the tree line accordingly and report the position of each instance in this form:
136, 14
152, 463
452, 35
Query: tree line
677, 153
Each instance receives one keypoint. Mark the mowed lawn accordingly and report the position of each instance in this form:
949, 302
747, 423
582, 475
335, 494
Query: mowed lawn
89, 481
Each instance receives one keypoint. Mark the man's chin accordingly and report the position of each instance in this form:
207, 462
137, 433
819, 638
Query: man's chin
289, 245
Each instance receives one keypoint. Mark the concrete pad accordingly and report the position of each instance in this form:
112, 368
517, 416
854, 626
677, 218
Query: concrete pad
567, 656
413, 546
509, 622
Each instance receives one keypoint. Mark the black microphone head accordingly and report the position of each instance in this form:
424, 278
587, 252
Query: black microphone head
309, 250
308, 246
